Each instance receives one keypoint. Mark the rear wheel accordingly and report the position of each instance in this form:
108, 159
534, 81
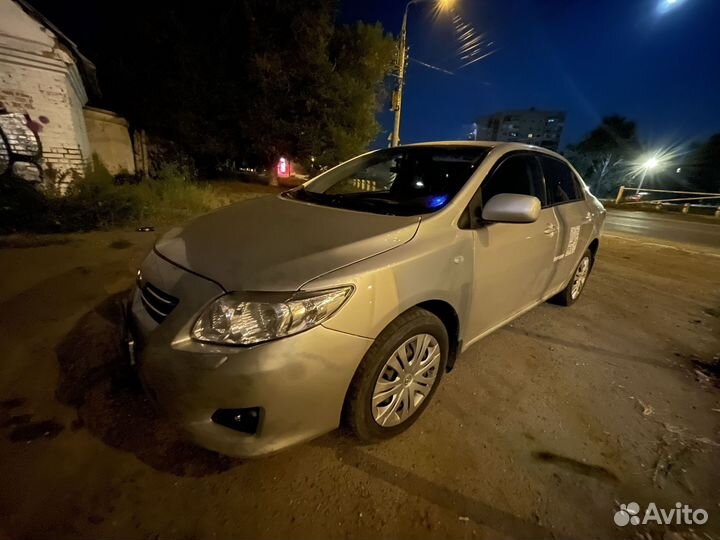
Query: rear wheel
397, 377
569, 295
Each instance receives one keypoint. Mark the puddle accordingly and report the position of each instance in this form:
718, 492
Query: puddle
17, 420
25, 242
573, 465
120, 244
706, 372
12, 403
711, 368
35, 430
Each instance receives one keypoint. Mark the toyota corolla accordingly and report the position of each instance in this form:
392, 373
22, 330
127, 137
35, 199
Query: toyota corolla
343, 302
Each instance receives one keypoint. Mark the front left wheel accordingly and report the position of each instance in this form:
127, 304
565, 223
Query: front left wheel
397, 377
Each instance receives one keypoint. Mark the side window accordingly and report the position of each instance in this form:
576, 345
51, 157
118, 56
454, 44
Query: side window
560, 181
517, 174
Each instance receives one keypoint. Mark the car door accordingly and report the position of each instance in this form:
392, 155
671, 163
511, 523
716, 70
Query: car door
567, 198
513, 262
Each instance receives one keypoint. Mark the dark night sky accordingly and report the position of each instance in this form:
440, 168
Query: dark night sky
656, 64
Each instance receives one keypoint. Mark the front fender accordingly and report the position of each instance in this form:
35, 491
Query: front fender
433, 268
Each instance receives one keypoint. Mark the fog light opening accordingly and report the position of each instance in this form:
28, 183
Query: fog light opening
242, 420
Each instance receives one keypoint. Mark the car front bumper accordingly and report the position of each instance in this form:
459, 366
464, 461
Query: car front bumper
297, 383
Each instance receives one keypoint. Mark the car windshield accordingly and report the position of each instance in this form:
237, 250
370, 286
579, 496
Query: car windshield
397, 181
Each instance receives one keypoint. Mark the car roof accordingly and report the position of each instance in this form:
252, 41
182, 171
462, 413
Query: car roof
455, 143
504, 146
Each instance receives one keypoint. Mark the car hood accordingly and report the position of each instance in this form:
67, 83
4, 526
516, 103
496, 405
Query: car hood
278, 244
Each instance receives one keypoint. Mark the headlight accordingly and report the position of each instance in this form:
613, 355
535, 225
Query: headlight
238, 319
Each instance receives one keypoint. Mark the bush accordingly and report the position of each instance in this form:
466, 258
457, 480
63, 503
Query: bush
97, 201
174, 194
22, 204
94, 201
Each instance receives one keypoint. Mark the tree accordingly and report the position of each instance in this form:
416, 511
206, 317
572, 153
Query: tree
246, 80
704, 165
604, 154
361, 55
322, 104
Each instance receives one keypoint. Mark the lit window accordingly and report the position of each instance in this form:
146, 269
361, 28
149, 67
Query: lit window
530, 135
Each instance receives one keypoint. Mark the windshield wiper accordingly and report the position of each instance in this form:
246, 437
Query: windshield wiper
303, 194
352, 201
383, 206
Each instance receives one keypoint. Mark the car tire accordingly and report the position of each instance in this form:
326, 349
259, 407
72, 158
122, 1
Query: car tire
569, 295
366, 405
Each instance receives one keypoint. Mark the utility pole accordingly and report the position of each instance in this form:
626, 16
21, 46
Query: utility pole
402, 60
401, 63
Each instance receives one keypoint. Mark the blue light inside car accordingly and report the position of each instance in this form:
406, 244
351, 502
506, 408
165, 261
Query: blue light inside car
437, 201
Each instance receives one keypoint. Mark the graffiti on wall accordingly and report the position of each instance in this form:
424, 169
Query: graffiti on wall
20, 148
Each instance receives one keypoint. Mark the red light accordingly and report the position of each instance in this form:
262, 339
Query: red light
283, 168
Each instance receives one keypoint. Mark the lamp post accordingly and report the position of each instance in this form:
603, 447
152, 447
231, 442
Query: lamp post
402, 57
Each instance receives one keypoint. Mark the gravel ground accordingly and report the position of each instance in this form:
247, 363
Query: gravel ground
543, 429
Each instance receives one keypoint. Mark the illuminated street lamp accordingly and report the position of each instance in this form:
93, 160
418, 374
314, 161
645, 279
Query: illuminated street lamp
650, 164
647, 166
442, 5
666, 6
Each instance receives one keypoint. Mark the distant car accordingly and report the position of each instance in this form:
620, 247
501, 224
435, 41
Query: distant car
635, 197
345, 300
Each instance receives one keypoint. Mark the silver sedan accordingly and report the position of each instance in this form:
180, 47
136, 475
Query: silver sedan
345, 301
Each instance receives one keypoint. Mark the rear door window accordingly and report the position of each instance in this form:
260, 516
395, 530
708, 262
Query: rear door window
562, 187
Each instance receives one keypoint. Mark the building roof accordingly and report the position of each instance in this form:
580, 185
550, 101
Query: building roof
86, 68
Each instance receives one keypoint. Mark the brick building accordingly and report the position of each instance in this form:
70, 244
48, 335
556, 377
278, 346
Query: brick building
44, 77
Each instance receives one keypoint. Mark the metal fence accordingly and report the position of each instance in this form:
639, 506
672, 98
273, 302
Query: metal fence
663, 199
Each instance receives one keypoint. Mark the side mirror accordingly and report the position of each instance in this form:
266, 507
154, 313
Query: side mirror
512, 208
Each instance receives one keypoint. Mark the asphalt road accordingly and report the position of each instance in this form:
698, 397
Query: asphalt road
663, 228
542, 430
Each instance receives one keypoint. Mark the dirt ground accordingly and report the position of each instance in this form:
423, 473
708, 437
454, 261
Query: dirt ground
542, 430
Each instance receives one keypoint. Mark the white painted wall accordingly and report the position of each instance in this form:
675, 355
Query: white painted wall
15, 22
40, 79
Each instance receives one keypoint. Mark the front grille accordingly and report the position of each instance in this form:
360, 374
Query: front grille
157, 303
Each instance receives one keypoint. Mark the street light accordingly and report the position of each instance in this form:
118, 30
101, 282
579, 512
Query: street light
650, 164
442, 5
647, 166
666, 6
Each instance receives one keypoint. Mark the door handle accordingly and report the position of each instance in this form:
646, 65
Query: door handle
550, 229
